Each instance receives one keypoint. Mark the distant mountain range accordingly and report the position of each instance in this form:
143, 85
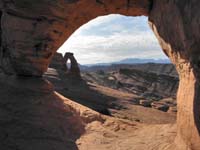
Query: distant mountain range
133, 61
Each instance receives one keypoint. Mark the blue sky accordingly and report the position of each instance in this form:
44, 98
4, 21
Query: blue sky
113, 38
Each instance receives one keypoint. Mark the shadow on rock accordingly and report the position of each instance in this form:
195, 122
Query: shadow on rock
81, 92
33, 118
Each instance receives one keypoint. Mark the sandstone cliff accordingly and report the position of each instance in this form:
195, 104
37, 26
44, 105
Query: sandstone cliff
32, 31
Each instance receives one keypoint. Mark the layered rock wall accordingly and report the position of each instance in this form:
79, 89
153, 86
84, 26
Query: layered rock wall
32, 31
177, 27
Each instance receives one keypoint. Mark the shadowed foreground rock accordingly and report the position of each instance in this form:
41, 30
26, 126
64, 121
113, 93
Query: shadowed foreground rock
40, 119
33, 116
32, 31
58, 62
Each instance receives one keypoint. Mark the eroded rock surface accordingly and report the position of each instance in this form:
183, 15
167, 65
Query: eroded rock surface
74, 68
177, 27
31, 119
58, 62
33, 30
61, 64
147, 84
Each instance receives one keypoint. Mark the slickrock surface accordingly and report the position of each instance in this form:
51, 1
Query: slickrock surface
32, 119
32, 31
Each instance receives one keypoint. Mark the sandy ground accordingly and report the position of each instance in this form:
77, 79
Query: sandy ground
35, 117
119, 134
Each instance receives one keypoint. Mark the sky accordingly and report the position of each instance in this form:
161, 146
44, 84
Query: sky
112, 38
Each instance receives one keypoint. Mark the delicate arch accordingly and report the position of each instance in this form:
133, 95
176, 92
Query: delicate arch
46, 25
74, 69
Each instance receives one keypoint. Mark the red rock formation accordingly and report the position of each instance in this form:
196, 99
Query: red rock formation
177, 27
74, 69
58, 62
33, 30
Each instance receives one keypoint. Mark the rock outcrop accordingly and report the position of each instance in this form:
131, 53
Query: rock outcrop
58, 62
145, 103
160, 106
74, 68
32, 31
61, 63
149, 85
161, 69
177, 27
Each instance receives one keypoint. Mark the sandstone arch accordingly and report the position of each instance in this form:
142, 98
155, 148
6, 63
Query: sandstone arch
33, 31
74, 68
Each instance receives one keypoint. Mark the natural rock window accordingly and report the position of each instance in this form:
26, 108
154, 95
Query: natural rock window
174, 22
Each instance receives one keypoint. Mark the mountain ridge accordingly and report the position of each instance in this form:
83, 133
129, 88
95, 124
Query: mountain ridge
132, 61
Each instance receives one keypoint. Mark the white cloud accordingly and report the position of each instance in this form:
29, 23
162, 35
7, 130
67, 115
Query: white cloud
123, 41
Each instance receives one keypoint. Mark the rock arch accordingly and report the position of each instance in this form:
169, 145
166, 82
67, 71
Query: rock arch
34, 30
74, 68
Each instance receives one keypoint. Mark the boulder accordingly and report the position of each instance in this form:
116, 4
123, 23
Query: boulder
160, 106
145, 103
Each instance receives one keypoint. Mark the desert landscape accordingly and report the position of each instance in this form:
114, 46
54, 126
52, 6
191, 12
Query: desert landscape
47, 103
123, 91
97, 114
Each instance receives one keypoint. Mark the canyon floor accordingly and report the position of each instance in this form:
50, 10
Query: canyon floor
40, 118
103, 95
64, 115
